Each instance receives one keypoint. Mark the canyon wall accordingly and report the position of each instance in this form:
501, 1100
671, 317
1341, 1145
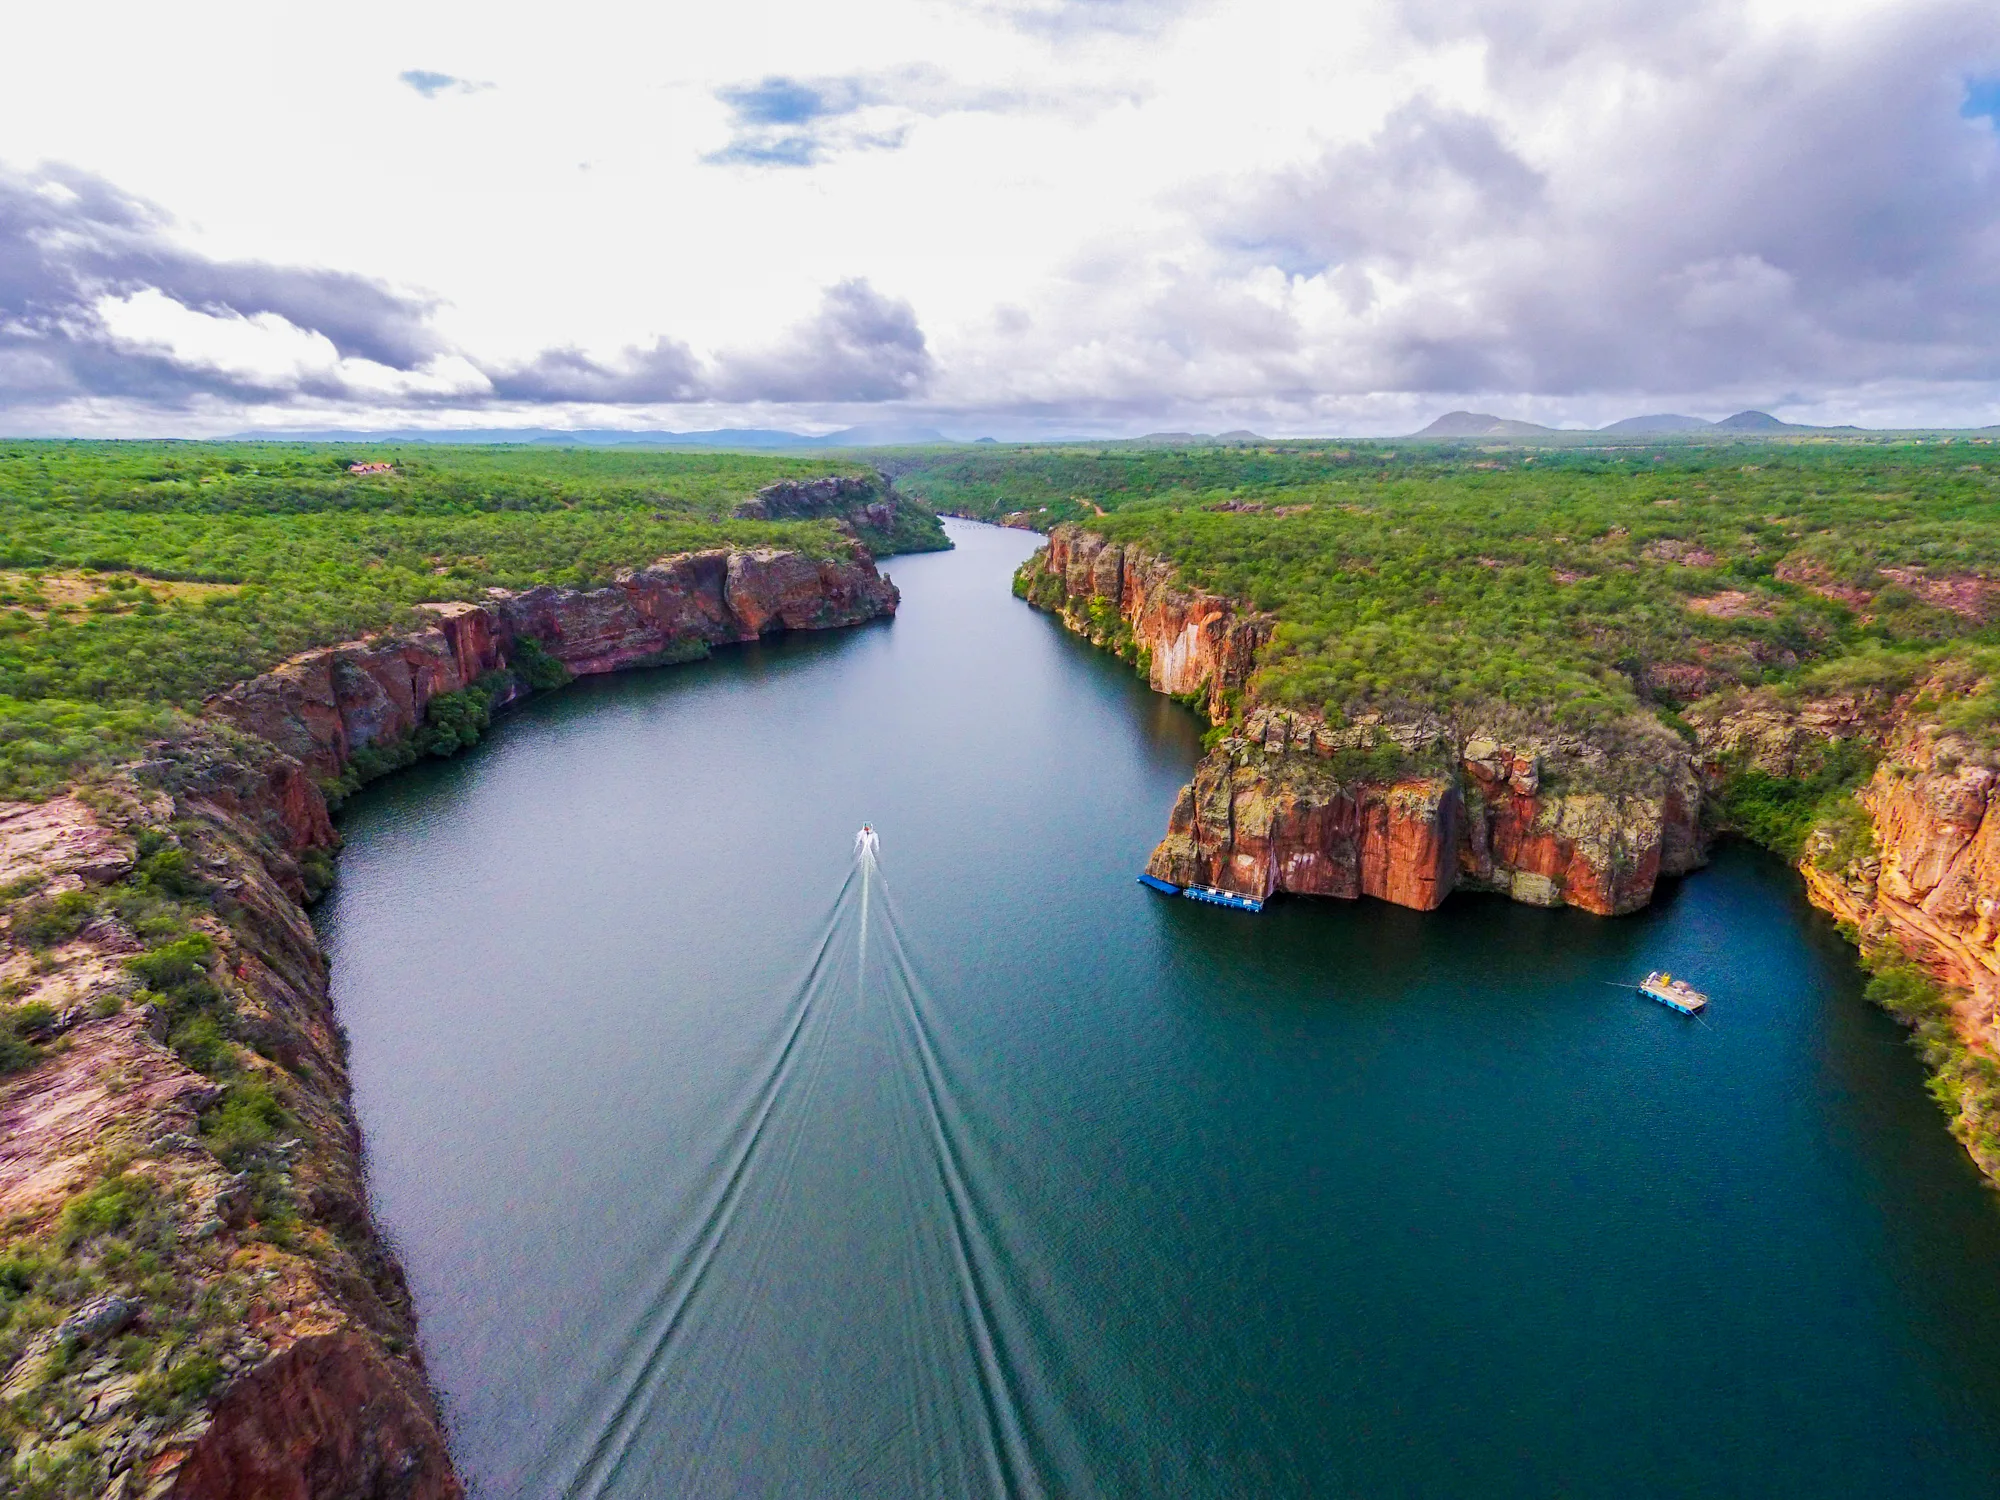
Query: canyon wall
323, 706
1404, 810
297, 1372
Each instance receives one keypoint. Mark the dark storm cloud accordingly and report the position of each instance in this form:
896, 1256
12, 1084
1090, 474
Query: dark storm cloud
1804, 211
69, 240
666, 372
860, 346
1429, 176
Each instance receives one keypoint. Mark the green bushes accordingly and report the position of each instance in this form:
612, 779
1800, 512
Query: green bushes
250, 1116
44, 921
213, 562
1965, 1082
109, 1206
174, 964
535, 667
1576, 590
1780, 812
455, 721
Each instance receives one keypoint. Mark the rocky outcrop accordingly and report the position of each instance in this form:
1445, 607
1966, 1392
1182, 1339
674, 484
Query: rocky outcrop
1931, 879
1190, 643
866, 506
241, 1253
1408, 812
1910, 864
325, 705
324, 1418
279, 1353
1403, 810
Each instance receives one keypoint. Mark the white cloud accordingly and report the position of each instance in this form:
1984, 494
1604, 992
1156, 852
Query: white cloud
1082, 214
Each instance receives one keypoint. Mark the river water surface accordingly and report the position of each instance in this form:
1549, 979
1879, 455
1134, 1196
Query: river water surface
1037, 1182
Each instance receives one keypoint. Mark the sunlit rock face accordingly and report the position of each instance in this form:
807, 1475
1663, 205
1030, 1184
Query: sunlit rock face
1280, 808
324, 705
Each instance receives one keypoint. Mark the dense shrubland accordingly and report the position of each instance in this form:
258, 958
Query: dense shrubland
1574, 587
137, 577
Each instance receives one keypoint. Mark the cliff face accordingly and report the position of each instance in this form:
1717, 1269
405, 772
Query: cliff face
1929, 876
287, 1361
324, 705
1403, 811
866, 506
1194, 642
1284, 806
1932, 880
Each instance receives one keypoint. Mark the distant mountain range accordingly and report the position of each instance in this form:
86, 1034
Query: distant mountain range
878, 436
1481, 424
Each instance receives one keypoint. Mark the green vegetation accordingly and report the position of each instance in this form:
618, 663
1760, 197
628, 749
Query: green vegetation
1568, 587
135, 1234
1781, 812
137, 577
1965, 1082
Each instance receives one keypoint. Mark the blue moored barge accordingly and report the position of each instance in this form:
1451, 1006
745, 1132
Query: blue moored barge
1206, 893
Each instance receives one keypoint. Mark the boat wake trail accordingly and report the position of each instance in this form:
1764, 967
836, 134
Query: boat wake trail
843, 1303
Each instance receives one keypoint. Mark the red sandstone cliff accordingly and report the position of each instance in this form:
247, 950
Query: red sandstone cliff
1282, 807
1195, 642
1293, 804
324, 705
323, 1392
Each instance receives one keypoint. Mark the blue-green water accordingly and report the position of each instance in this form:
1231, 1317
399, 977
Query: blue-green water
1083, 1190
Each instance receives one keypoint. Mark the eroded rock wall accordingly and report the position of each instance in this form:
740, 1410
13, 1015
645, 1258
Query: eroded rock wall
1283, 807
323, 706
1195, 642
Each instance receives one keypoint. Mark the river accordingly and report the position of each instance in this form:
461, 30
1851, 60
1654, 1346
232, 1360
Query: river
1053, 1185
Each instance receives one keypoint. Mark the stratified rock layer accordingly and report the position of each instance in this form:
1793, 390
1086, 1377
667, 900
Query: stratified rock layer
324, 705
1282, 807
1196, 643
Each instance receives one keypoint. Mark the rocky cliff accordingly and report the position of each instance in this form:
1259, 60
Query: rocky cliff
1405, 811
202, 1306
1189, 643
866, 506
324, 706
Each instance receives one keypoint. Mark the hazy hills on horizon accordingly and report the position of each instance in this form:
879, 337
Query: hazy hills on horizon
1484, 424
1453, 424
881, 435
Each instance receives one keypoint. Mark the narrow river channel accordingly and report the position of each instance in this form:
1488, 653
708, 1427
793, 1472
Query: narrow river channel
1051, 1185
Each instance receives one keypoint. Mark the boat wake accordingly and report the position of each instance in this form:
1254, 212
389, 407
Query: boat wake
858, 1142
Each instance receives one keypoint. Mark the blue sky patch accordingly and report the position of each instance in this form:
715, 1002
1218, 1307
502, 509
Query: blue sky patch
1982, 99
784, 101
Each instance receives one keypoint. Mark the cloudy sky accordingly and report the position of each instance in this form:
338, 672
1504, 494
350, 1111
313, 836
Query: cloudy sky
1015, 217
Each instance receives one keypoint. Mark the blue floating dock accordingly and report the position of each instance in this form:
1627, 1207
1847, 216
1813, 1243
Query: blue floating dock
1217, 897
1208, 893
